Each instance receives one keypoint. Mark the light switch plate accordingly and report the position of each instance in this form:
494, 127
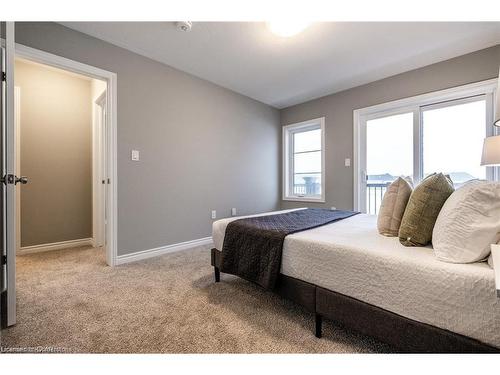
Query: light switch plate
135, 155
347, 162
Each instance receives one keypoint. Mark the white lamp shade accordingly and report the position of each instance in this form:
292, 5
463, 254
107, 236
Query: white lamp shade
491, 151
496, 120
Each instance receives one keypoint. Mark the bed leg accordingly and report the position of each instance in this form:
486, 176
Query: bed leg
217, 274
318, 319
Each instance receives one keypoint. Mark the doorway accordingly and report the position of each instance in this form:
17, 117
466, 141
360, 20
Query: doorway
11, 177
103, 144
58, 129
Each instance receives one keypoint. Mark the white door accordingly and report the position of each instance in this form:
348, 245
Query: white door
104, 171
100, 155
8, 179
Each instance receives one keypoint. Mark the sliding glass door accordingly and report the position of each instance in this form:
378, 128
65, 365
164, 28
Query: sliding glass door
417, 140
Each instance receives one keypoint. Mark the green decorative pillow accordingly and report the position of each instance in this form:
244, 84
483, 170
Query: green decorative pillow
423, 208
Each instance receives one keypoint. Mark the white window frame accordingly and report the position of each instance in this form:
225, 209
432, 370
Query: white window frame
417, 105
288, 131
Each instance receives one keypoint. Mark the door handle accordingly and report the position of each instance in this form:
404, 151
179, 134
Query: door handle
14, 180
364, 177
23, 180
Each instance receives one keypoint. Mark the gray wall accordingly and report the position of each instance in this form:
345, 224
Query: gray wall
202, 147
56, 154
337, 110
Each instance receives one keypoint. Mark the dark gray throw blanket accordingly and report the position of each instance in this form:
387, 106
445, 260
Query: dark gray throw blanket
252, 247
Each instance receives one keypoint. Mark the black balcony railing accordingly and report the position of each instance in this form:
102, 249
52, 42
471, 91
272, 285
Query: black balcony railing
374, 194
307, 189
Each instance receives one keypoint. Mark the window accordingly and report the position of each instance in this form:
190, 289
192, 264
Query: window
303, 161
436, 132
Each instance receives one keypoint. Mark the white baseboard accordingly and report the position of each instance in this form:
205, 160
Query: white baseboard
145, 254
54, 246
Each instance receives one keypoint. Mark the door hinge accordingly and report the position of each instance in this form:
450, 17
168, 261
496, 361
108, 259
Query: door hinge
4, 76
8, 179
4, 259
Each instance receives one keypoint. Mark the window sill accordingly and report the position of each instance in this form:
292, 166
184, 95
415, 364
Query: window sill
304, 199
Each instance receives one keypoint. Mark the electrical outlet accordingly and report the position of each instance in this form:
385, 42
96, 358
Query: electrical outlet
214, 214
347, 162
233, 211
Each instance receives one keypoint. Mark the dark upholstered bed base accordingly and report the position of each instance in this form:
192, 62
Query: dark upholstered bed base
405, 334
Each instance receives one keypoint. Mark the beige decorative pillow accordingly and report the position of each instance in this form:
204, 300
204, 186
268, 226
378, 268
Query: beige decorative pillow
423, 209
393, 206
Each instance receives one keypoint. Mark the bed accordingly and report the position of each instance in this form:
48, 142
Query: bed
348, 272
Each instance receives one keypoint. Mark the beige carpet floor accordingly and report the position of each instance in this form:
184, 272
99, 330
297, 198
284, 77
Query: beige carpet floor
69, 300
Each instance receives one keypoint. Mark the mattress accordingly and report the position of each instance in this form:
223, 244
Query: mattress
352, 258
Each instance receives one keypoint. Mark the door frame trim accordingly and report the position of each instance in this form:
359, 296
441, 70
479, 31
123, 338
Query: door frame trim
46, 58
17, 158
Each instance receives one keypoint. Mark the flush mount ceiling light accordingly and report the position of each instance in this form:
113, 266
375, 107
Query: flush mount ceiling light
287, 28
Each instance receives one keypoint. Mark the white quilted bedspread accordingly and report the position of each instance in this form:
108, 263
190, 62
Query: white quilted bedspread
351, 258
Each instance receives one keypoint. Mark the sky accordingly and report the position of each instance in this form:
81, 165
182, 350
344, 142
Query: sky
306, 161
389, 145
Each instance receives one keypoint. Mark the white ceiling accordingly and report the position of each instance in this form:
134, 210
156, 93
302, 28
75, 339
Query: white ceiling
325, 58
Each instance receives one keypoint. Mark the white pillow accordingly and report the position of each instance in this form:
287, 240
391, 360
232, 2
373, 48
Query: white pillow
468, 223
